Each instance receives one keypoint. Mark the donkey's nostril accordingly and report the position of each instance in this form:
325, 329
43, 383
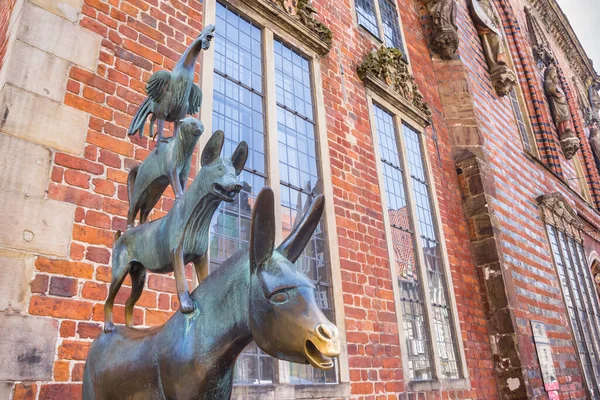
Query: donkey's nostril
237, 187
324, 332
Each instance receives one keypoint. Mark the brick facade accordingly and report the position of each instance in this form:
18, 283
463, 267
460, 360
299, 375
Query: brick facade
503, 275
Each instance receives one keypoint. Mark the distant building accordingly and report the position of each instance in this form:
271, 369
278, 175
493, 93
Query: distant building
459, 252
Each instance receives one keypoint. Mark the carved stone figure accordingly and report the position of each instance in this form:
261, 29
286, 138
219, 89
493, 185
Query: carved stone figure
172, 95
595, 145
167, 244
594, 98
487, 24
257, 294
444, 39
560, 112
147, 182
387, 65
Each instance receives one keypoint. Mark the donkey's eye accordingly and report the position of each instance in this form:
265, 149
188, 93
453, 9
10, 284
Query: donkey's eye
220, 168
279, 298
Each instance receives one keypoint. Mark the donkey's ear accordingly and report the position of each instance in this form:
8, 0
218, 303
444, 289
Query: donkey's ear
293, 246
262, 231
239, 157
212, 150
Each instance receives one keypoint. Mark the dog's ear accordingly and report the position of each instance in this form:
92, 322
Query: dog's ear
213, 148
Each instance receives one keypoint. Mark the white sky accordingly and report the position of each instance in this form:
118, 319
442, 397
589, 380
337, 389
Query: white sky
584, 16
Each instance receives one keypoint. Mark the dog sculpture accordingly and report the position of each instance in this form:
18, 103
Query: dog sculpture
167, 244
257, 294
147, 182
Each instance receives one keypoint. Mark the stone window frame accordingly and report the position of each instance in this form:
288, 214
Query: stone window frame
584, 188
400, 116
558, 215
380, 40
288, 34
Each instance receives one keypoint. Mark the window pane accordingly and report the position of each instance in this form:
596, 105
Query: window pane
411, 297
391, 28
300, 182
438, 291
238, 111
520, 121
563, 266
365, 12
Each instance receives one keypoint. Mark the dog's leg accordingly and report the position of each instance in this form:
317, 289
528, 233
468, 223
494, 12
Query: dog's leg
138, 278
119, 272
201, 267
185, 303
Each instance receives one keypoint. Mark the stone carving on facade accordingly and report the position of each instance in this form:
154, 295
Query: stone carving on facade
542, 52
594, 140
386, 69
305, 12
560, 112
594, 98
558, 213
561, 31
488, 27
444, 39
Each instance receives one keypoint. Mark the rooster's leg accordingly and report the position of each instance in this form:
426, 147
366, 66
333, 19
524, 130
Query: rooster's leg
176, 123
160, 124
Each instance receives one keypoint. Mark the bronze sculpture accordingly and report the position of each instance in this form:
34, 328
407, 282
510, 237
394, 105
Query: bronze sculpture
172, 95
167, 244
147, 182
444, 39
488, 28
257, 294
560, 112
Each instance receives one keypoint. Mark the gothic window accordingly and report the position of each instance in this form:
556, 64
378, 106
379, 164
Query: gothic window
380, 18
249, 63
577, 285
416, 254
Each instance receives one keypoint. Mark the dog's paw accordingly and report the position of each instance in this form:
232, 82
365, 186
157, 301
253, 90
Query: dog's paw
187, 306
109, 327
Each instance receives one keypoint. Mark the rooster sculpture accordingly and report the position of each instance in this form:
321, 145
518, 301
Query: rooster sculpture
172, 95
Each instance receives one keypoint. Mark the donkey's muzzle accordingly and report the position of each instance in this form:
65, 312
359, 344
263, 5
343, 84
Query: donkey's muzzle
226, 193
323, 346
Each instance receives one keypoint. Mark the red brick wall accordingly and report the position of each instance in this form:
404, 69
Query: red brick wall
6, 9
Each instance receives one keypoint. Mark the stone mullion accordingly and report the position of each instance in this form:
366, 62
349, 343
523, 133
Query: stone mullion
272, 154
420, 257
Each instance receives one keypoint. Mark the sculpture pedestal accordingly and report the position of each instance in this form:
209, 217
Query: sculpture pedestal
444, 42
569, 144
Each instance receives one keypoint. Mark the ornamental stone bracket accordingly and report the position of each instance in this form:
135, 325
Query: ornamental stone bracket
557, 212
385, 72
444, 38
296, 17
542, 51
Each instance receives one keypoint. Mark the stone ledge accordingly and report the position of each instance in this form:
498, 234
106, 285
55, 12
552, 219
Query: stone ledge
290, 23
16, 270
382, 89
41, 120
24, 166
27, 347
56, 35
36, 225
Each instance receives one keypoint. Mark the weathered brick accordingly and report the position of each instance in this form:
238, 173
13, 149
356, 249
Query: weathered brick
64, 287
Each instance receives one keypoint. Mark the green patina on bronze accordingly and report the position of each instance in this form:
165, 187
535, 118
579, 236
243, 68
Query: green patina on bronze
147, 182
257, 294
173, 95
167, 244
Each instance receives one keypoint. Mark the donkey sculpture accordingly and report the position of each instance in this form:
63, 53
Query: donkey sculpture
257, 294
167, 244
147, 182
